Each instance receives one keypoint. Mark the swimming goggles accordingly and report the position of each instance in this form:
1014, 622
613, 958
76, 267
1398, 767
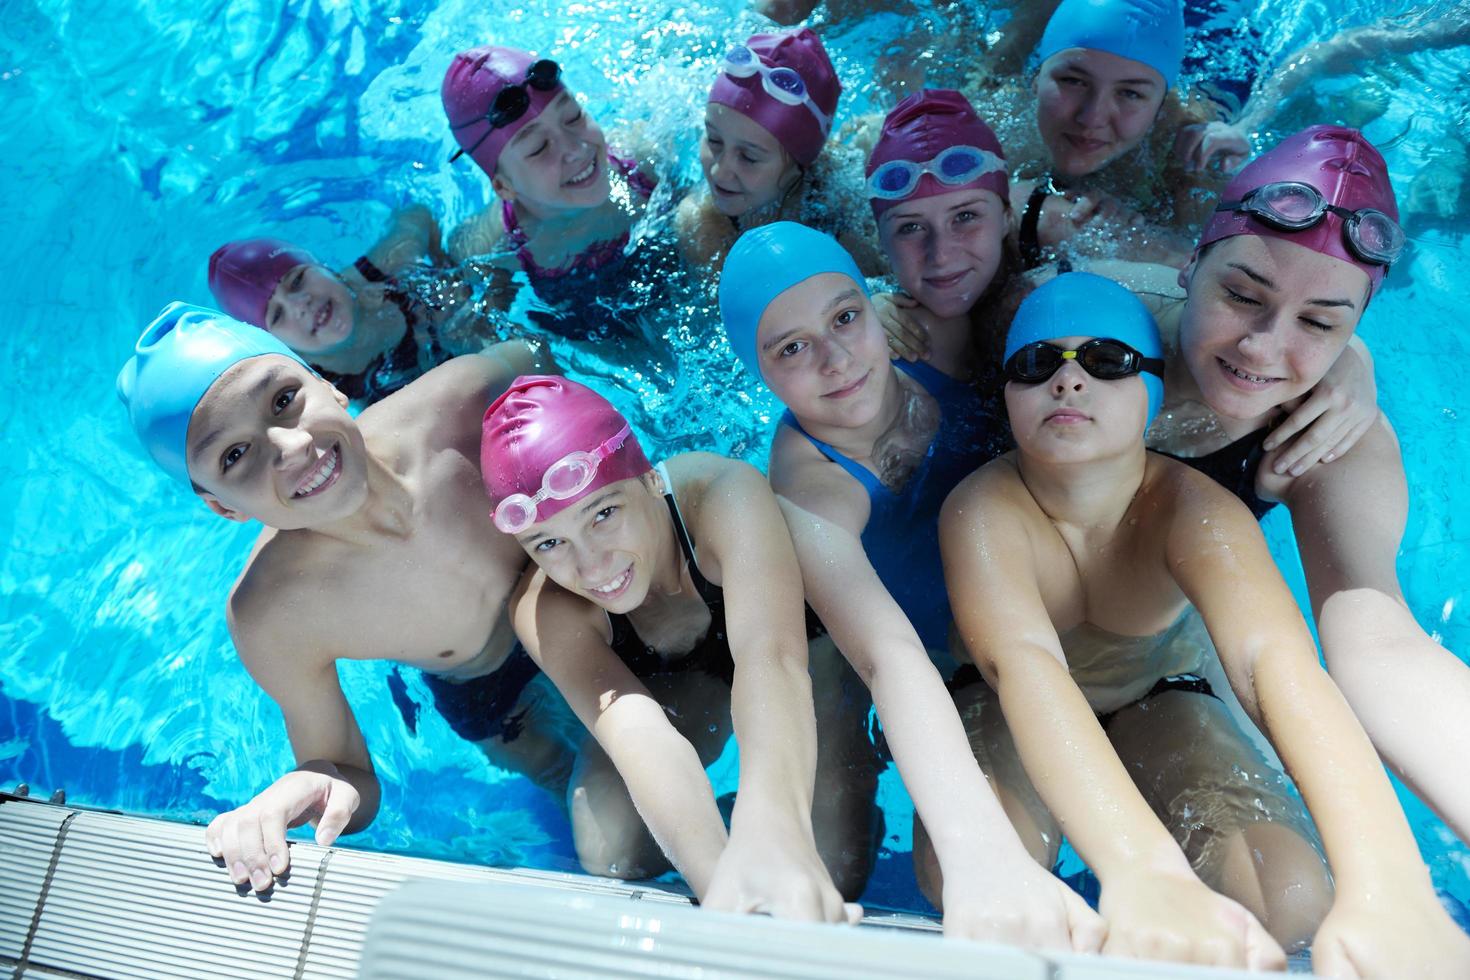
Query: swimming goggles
782, 84
565, 478
511, 102
1103, 358
957, 165
1290, 205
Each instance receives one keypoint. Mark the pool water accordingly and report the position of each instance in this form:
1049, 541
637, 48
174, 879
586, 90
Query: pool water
140, 136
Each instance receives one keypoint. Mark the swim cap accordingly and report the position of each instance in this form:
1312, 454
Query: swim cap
1147, 31
539, 420
794, 126
475, 77
924, 125
242, 275
764, 263
1345, 169
176, 360
1080, 304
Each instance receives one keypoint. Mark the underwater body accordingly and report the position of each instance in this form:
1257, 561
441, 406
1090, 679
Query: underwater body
144, 135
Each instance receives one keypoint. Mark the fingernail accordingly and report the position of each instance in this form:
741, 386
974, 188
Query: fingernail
260, 880
278, 864
1298, 470
239, 872
1329, 457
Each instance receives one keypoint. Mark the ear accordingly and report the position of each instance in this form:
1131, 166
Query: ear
1187, 273
502, 187
342, 399
654, 482
214, 504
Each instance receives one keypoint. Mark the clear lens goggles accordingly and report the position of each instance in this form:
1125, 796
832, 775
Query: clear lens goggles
957, 165
782, 84
512, 102
563, 479
1103, 358
1290, 205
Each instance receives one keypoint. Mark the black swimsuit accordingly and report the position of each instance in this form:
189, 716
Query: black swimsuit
393, 369
479, 708
1234, 468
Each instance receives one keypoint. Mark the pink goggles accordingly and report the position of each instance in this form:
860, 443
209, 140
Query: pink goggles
562, 480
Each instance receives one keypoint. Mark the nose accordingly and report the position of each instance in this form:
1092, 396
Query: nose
292, 445
835, 356
1069, 378
1093, 112
1262, 345
938, 247
594, 565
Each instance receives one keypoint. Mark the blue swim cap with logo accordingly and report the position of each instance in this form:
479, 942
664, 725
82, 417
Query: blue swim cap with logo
1081, 304
1147, 31
176, 360
763, 264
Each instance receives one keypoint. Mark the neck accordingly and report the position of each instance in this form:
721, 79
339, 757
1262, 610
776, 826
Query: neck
1090, 495
385, 515
1181, 389
858, 442
951, 342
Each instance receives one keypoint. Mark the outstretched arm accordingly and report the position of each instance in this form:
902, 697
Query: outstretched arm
1155, 906
992, 888
772, 862
1386, 919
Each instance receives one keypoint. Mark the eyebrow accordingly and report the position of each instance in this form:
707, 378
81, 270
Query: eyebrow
256, 390
1258, 278
843, 297
1073, 66
531, 126
896, 215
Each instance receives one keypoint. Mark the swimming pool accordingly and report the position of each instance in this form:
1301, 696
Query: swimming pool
142, 135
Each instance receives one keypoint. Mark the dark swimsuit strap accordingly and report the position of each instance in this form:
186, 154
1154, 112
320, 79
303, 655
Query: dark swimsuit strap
1027, 239
406, 305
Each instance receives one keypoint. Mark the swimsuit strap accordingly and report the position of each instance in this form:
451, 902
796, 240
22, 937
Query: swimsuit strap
1027, 239
686, 543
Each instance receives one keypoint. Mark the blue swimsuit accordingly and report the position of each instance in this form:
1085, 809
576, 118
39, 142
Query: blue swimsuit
902, 534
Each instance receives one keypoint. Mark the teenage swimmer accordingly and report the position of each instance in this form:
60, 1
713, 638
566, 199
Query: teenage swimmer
1284, 271
940, 194
863, 460
362, 329
666, 606
566, 200
1081, 554
764, 153
376, 547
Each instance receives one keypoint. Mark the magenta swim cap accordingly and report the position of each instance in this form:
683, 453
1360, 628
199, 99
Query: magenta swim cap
1346, 170
794, 126
539, 420
242, 275
923, 126
475, 77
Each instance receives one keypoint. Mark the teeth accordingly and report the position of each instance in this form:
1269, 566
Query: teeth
615, 584
1248, 377
591, 165
329, 466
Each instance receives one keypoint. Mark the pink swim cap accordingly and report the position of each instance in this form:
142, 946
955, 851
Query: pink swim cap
475, 77
1345, 169
923, 126
539, 420
794, 126
242, 275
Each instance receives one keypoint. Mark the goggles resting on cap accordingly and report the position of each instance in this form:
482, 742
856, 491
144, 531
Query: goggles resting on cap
562, 480
897, 179
1290, 205
511, 102
782, 84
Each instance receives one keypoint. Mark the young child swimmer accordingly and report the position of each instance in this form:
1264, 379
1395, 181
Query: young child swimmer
864, 457
765, 154
363, 329
1073, 563
666, 606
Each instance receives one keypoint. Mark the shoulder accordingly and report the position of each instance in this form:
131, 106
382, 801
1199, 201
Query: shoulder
477, 234
1193, 507
266, 623
541, 610
990, 496
803, 475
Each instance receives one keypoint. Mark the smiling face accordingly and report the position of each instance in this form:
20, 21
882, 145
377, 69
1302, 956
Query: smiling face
1092, 107
823, 352
1264, 320
311, 310
946, 249
743, 163
1073, 417
556, 162
606, 546
273, 442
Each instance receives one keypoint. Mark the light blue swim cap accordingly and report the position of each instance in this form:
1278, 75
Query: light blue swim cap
1081, 304
763, 264
179, 355
1150, 31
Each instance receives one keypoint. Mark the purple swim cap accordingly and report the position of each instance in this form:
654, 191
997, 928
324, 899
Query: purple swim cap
1346, 170
538, 421
475, 77
242, 275
794, 126
923, 126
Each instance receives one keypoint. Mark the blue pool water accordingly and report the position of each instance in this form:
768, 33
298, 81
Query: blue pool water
139, 136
